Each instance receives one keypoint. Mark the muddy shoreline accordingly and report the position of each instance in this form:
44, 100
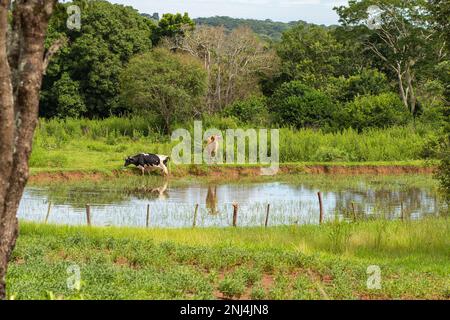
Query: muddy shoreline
235, 172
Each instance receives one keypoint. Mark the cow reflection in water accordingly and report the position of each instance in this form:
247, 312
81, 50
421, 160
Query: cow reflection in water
211, 200
161, 192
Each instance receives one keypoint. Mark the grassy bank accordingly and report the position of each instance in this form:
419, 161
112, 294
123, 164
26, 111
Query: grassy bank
102, 144
308, 262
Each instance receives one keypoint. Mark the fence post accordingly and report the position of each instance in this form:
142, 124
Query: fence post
194, 224
48, 211
319, 194
354, 211
402, 214
267, 215
88, 214
235, 213
148, 216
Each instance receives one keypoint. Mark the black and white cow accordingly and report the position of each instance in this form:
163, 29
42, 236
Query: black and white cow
145, 160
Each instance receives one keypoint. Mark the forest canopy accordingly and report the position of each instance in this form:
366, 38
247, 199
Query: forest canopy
328, 77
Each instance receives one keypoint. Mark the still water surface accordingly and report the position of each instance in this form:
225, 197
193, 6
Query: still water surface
173, 207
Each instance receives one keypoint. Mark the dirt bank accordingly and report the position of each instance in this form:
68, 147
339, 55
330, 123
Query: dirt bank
234, 172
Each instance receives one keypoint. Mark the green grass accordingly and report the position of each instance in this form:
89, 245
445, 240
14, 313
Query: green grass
101, 145
307, 262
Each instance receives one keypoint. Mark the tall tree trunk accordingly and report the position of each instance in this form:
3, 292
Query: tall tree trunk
402, 88
412, 99
21, 69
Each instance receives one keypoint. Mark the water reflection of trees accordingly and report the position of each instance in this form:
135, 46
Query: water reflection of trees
387, 203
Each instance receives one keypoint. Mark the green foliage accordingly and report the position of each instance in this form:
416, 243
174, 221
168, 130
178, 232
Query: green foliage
252, 110
404, 46
172, 25
167, 84
393, 144
85, 74
379, 111
65, 95
443, 153
368, 82
268, 29
310, 54
300, 106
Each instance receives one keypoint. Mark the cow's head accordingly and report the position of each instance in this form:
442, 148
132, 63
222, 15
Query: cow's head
129, 161
164, 159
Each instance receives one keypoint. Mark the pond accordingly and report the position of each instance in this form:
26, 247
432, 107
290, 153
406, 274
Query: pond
162, 205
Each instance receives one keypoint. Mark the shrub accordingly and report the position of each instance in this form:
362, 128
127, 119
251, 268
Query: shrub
381, 111
232, 287
251, 110
297, 105
368, 82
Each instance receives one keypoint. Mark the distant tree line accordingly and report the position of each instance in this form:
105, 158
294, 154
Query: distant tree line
174, 68
266, 29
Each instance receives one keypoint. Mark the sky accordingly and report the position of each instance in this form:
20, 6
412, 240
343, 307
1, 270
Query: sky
314, 11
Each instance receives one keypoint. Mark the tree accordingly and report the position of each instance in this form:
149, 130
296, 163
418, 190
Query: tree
172, 26
67, 98
443, 153
440, 10
234, 61
168, 84
309, 54
94, 57
402, 39
300, 106
21, 69
441, 18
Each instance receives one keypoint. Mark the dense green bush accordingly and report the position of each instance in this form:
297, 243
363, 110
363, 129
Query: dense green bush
379, 111
251, 110
368, 82
300, 106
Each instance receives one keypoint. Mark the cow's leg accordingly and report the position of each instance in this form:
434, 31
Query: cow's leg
164, 169
142, 170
